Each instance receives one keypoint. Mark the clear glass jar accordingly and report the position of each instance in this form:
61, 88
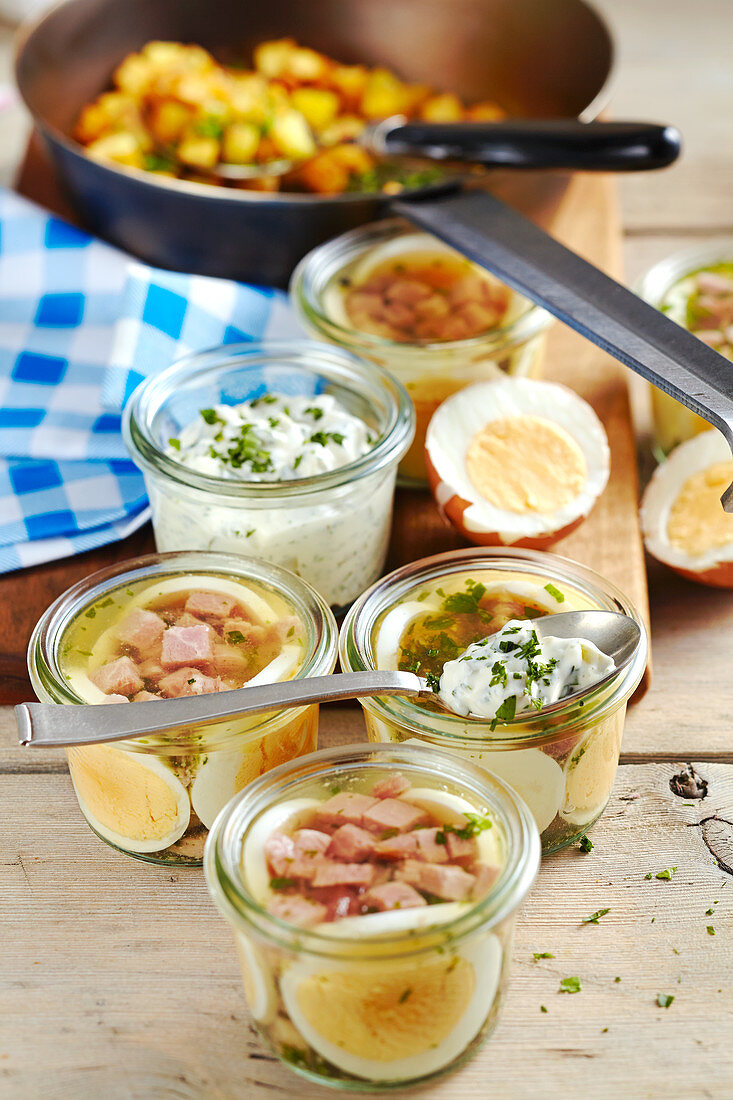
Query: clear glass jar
430, 372
673, 422
154, 797
562, 765
331, 529
359, 1008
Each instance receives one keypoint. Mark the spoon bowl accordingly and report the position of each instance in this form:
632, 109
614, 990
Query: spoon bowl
615, 634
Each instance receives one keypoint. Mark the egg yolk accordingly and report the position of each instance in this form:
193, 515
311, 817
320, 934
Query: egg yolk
400, 1014
123, 794
525, 464
697, 521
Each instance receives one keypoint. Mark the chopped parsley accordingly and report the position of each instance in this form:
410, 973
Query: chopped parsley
664, 1000
174, 443
542, 955
711, 930
235, 637
314, 411
585, 844
282, 883
404, 995
542, 1008
210, 127
666, 873
648, 875
505, 712
555, 593
595, 917
211, 416
475, 824
323, 438
570, 985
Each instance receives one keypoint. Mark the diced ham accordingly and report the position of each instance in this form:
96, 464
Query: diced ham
432, 845
297, 910
231, 662
188, 681
446, 882
309, 846
142, 630
186, 645
396, 847
210, 605
186, 619
252, 633
118, 677
461, 849
144, 697
287, 628
347, 807
392, 787
330, 873
340, 901
393, 895
711, 282
393, 813
351, 844
279, 852
486, 876
151, 670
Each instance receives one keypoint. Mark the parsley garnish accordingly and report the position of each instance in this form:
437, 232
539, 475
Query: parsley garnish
505, 712
192, 680
465, 602
211, 127
297, 462
433, 682
174, 443
210, 416
595, 917
542, 1008
711, 930
542, 955
235, 637
585, 844
666, 873
323, 438
282, 883
475, 824
555, 593
570, 985
315, 412
664, 1000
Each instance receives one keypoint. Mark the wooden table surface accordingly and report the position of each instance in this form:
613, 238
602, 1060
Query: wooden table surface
119, 980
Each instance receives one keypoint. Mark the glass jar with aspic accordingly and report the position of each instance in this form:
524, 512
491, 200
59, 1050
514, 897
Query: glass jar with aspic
425, 616
428, 315
364, 969
168, 625
285, 451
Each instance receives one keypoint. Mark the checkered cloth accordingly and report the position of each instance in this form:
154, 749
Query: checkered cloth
80, 326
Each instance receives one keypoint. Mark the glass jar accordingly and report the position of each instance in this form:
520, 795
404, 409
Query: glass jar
673, 422
430, 371
377, 1001
331, 529
563, 765
155, 797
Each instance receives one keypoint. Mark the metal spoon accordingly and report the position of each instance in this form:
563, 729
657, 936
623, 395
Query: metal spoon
517, 143
614, 634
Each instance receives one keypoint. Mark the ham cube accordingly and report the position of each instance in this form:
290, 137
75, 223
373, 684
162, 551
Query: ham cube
186, 645
142, 630
309, 846
443, 881
460, 849
391, 787
340, 901
209, 605
486, 875
188, 681
330, 873
231, 662
345, 808
279, 852
401, 846
144, 697
297, 910
712, 282
252, 635
118, 677
393, 813
393, 895
429, 845
351, 844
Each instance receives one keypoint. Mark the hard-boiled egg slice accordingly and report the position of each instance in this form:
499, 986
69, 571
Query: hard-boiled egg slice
589, 773
257, 979
394, 625
248, 599
682, 519
132, 800
285, 815
223, 773
394, 1019
516, 461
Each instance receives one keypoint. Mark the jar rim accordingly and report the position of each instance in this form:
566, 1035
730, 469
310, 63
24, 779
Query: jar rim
222, 854
322, 264
44, 667
527, 728
361, 376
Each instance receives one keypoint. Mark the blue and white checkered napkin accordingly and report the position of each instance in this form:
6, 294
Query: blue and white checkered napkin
80, 326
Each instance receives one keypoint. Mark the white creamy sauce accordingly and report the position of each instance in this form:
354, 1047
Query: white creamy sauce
336, 539
272, 438
516, 670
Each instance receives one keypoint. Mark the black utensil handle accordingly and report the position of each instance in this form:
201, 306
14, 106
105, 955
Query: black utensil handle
543, 143
605, 312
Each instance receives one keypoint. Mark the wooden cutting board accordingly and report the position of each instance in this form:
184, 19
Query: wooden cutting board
609, 541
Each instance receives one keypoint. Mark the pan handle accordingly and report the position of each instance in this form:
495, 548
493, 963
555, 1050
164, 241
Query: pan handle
533, 143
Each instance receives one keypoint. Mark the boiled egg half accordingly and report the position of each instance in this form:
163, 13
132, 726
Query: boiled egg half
682, 519
516, 461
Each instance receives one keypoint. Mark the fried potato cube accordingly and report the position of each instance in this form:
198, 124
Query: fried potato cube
292, 135
134, 75
386, 95
306, 64
122, 147
319, 106
353, 157
442, 108
350, 82
485, 112
167, 119
324, 175
106, 112
343, 128
239, 143
198, 151
249, 98
273, 57
164, 55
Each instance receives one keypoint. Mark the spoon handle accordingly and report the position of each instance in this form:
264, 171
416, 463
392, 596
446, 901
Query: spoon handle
48, 724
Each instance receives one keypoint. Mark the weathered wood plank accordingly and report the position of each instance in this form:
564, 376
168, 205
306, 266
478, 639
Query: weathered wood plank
119, 979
